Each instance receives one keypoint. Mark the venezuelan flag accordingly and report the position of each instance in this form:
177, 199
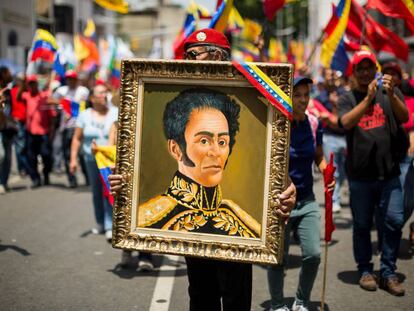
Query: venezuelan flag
236, 22
72, 108
220, 18
266, 87
203, 13
333, 53
276, 52
105, 157
44, 47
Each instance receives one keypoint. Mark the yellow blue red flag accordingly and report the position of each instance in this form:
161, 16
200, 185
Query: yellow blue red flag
221, 16
105, 159
333, 53
44, 47
266, 87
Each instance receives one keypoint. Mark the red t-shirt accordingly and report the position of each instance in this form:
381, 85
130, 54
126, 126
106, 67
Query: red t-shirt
39, 112
409, 125
18, 107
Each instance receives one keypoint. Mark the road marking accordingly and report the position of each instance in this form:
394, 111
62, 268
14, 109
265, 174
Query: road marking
164, 286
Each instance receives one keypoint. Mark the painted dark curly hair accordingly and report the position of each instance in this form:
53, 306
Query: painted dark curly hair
177, 113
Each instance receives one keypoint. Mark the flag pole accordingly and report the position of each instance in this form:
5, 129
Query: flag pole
312, 53
328, 180
361, 40
325, 264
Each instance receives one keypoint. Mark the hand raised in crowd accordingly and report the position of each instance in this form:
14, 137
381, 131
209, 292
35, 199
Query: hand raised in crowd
388, 84
372, 89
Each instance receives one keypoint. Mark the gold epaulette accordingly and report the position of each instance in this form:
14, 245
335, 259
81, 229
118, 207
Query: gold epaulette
154, 210
248, 220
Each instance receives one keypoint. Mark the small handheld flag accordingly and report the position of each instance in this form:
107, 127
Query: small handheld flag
44, 47
105, 158
328, 178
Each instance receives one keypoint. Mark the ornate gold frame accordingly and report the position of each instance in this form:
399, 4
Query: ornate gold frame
269, 249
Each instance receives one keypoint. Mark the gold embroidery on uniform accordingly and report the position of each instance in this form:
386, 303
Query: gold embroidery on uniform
227, 221
186, 221
194, 197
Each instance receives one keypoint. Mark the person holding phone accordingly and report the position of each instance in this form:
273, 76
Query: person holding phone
368, 113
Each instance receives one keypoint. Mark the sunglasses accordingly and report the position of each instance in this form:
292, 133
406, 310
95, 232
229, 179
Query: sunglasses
192, 55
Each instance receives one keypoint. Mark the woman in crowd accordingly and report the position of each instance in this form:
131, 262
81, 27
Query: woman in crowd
94, 124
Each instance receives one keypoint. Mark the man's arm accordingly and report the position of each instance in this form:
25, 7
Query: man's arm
351, 118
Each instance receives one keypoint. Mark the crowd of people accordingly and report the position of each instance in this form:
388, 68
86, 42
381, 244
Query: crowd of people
365, 121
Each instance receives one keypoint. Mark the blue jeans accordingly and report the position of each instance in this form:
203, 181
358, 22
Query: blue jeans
5, 165
386, 197
337, 145
306, 218
20, 143
101, 206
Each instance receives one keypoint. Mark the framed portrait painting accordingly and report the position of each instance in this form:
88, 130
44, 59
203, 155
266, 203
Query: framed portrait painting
205, 156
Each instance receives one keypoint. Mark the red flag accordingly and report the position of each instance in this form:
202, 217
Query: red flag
403, 9
270, 7
377, 36
328, 178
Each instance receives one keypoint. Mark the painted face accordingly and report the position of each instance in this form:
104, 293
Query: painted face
365, 71
301, 95
207, 138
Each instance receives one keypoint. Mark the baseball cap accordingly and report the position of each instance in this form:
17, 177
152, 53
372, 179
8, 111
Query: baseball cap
361, 55
31, 78
207, 36
392, 66
71, 74
301, 80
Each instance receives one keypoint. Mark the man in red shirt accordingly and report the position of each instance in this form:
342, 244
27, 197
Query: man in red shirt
39, 116
19, 115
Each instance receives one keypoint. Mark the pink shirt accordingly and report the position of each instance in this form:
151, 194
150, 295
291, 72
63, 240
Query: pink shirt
38, 113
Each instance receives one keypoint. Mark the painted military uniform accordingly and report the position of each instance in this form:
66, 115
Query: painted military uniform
188, 206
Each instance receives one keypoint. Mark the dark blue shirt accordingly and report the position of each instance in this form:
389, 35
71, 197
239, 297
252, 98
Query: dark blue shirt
302, 155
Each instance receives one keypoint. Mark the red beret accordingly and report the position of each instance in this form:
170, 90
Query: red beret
207, 36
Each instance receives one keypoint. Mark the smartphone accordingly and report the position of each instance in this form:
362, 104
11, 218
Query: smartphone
378, 76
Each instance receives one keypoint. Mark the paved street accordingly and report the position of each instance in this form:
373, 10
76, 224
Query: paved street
50, 261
